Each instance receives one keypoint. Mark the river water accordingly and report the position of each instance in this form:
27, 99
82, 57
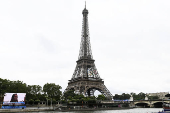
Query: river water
135, 110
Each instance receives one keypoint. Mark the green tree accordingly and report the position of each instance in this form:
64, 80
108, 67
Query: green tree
153, 97
34, 89
101, 97
33, 92
17, 87
116, 97
52, 90
167, 95
140, 96
36, 101
3, 86
125, 96
31, 101
121, 97
69, 94
91, 99
41, 96
78, 96
8, 86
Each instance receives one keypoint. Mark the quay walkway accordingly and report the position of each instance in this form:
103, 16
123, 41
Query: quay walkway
27, 109
35, 109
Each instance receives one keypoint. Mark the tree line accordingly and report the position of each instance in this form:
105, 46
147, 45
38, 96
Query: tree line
34, 93
140, 96
51, 91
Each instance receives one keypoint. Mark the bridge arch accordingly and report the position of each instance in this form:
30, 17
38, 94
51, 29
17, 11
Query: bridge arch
157, 104
142, 104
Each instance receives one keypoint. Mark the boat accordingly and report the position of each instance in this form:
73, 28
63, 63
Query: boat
166, 108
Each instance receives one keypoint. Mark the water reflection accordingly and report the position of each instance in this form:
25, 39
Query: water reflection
135, 110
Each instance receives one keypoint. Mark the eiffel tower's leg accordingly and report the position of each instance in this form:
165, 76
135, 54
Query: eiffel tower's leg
100, 87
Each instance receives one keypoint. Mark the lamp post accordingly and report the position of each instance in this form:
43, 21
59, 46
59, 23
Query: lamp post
1, 94
51, 103
98, 101
47, 99
150, 100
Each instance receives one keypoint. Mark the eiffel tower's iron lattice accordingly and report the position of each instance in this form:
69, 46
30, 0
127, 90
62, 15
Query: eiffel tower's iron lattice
86, 79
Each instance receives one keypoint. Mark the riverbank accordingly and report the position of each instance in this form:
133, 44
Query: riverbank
59, 110
93, 109
23, 110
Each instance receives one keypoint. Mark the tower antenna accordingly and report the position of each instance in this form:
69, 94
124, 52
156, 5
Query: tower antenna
85, 4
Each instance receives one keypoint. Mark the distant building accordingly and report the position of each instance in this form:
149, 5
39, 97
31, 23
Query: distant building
131, 98
146, 97
161, 95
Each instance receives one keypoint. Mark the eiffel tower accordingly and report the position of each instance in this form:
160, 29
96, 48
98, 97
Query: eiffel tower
86, 79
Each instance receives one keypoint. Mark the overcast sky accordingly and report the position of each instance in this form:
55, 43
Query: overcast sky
130, 41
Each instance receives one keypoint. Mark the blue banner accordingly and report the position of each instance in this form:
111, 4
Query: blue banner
13, 107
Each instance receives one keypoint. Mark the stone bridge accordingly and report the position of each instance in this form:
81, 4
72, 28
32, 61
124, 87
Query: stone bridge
150, 103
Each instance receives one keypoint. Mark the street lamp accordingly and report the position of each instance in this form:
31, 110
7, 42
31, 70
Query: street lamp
47, 100
150, 100
51, 103
1, 88
1, 94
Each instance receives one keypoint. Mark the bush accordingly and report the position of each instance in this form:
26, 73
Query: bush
36, 101
31, 101
54, 101
49, 101
26, 102
63, 101
92, 101
125, 105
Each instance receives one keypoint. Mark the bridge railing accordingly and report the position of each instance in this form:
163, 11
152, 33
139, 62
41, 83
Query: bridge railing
154, 100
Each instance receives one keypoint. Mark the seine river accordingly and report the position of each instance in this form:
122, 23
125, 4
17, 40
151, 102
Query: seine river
135, 110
